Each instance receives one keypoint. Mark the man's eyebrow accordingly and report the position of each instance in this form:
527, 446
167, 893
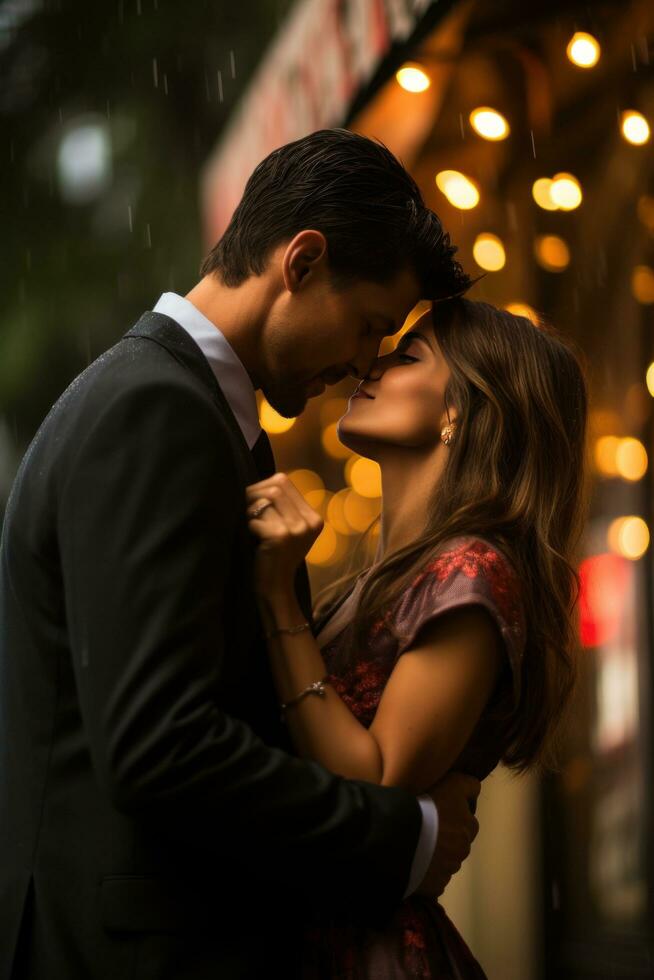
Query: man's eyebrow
389, 322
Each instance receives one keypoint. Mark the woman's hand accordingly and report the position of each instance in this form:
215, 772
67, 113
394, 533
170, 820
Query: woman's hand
286, 531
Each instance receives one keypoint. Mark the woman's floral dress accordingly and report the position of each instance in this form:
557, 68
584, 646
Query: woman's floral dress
421, 941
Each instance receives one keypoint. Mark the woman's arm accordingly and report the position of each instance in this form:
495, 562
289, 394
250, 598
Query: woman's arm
428, 710
433, 698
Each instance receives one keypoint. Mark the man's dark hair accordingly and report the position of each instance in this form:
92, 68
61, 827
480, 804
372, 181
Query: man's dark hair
353, 190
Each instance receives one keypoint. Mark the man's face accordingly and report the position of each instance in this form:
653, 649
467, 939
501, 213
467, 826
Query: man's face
318, 335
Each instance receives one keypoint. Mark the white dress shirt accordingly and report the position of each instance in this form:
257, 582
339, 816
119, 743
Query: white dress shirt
239, 391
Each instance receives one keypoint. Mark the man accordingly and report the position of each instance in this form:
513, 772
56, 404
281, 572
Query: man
153, 821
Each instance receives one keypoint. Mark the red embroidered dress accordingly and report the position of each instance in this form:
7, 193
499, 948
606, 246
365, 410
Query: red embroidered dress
421, 941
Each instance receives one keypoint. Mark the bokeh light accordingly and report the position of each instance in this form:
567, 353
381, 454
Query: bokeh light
360, 511
583, 50
488, 252
460, 190
364, 476
332, 444
306, 480
542, 194
604, 455
631, 459
649, 379
489, 123
642, 284
272, 421
324, 550
566, 191
552, 253
635, 127
629, 537
413, 78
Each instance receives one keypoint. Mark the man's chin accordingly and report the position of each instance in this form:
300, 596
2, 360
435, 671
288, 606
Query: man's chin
289, 404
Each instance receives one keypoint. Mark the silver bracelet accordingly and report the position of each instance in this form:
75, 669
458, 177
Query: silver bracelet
318, 687
288, 629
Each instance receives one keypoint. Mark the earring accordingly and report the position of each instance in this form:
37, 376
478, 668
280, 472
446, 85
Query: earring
447, 433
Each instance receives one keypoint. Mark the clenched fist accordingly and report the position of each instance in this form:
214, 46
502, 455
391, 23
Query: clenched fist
286, 529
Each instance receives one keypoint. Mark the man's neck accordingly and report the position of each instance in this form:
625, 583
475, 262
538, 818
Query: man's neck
237, 314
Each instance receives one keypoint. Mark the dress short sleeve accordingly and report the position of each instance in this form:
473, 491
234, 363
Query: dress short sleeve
466, 571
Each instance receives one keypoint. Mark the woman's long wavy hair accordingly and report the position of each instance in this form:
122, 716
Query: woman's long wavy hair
516, 474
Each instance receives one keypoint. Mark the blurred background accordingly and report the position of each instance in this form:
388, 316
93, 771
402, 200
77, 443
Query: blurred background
128, 131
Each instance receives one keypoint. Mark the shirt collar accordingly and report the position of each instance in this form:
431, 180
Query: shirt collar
223, 360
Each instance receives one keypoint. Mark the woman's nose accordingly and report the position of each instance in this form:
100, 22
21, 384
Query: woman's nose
377, 367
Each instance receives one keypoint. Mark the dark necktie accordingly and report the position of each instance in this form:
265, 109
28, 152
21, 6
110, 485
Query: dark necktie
263, 456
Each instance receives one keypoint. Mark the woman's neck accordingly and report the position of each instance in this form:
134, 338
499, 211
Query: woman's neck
407, 489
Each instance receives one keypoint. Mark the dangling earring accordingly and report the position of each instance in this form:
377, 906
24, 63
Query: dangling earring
447, 432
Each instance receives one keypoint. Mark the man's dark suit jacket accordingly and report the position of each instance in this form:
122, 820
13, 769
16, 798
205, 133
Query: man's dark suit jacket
153, 823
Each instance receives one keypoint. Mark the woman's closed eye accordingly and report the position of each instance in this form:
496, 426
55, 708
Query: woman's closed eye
400, 352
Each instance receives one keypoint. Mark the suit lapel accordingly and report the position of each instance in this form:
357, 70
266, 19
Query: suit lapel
166, 332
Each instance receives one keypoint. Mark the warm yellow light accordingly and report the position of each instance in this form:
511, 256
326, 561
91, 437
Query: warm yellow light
271, 420
642, 284
566, 191
649, 379
542, 194
364, 476
489, 123
460, 190
635, 127
606, 448
324, 548
319, 500
552, 253
583, 50
336, 514
331, 409
631, 459
629, 537
488, 252
413, 78
332, 444
306, 480
523, 309
360, 511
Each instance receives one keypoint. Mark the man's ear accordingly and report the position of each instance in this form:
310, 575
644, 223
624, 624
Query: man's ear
304, 256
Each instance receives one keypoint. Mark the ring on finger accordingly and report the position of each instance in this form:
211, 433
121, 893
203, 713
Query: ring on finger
260, 507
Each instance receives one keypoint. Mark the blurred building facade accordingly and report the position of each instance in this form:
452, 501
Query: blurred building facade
527, 129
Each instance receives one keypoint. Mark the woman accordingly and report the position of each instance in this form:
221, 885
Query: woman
455, 648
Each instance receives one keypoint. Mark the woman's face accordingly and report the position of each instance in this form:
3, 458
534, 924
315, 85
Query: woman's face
407, 408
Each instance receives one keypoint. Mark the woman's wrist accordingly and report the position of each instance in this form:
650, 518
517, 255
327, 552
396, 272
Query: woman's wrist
280, 607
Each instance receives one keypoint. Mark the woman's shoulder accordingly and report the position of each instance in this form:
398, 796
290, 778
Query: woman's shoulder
473, 557
467, 569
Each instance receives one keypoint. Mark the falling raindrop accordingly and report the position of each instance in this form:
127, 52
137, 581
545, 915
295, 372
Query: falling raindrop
148, 236
129, 217
533, 144
220, 85
165, 81
155, 73
232, 62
